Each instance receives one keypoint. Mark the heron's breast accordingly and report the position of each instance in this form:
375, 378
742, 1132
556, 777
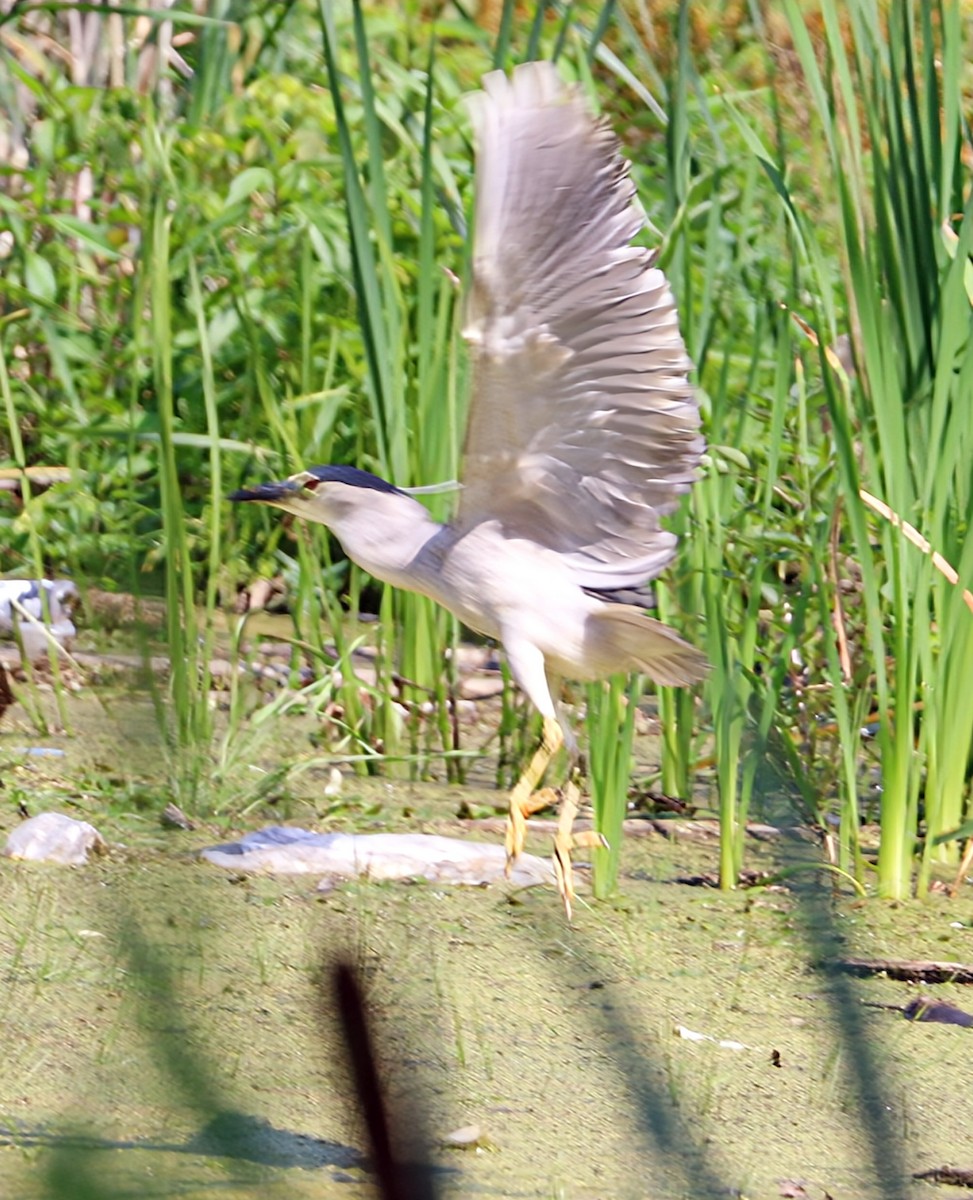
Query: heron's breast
494, 583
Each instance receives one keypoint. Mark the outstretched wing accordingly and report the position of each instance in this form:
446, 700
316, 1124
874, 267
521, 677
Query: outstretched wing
583, 427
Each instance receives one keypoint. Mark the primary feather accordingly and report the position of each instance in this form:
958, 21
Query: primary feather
583, 426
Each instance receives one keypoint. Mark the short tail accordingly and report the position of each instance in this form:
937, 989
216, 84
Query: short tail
624, 639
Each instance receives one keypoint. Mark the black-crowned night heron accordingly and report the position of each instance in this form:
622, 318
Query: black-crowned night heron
583, 428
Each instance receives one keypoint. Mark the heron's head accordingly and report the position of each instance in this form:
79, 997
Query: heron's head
322, 494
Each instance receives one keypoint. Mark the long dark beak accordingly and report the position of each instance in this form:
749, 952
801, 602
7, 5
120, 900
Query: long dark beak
267, 492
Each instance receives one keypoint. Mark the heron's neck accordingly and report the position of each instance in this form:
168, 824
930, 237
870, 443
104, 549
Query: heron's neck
389, 544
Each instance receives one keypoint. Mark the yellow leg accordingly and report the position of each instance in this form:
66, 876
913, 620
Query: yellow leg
522, 803
565, 841
963, 868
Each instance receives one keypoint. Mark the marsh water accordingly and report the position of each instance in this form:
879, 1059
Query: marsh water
168, 1028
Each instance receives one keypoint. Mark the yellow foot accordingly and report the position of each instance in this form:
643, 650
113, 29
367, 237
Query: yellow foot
565, 841
523, 800
963, 868
520, 810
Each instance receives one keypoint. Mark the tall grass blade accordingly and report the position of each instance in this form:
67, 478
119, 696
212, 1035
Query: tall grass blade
610, 725
884, 111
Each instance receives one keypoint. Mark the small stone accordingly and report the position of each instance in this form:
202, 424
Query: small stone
470, 1137
54, 837
173, 817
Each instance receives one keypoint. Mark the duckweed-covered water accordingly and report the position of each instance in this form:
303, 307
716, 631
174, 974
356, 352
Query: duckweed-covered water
168, 1028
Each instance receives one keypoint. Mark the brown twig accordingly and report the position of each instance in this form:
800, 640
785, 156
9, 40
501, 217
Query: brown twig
915, 537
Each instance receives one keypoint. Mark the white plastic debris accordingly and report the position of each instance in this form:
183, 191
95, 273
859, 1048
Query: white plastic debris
54, 837
690, 1035
285, 850
23, 599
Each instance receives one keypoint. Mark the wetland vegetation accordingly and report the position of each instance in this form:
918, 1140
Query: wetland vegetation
231, 237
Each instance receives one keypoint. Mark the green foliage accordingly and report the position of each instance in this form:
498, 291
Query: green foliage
891, 113
610, 728
233, 274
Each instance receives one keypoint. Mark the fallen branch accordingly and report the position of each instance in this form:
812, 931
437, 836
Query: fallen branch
955, 1176
918, 970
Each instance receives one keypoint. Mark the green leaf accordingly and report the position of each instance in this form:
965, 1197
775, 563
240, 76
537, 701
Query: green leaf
951, 241
93, 236
39, 277
250, 180
43, 139
732, 454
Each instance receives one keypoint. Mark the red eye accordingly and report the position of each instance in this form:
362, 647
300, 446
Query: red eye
311, 483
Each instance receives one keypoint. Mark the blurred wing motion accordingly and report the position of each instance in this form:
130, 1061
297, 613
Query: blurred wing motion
583, 427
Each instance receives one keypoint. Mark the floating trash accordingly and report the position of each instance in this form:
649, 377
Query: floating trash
286, 850
691, 1035
23, 599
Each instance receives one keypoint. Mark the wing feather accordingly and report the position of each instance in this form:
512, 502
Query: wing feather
583, 426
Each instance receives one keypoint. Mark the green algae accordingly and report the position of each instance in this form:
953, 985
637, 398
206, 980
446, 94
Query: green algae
167, 1026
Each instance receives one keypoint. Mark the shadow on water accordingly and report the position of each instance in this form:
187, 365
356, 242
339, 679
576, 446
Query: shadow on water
244, 1144
231, 1135
400, 1142
400, 1149
868, 1081
871, 1085
667, 1134
400, 1158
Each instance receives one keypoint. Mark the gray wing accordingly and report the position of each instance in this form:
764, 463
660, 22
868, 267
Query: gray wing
583, 427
